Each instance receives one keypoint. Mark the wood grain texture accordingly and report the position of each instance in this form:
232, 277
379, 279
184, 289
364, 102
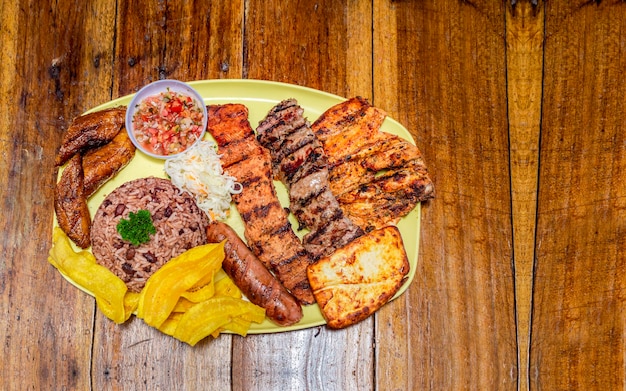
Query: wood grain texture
395, 360
578, 324
524, 53
519, 112
319, 45
181, 40
135, 356
185, 41
41, 91
451, 94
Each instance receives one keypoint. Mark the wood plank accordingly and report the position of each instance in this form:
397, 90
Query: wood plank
321, 45
185, 41
455, 327
393, 354
136, 356
312, 359
578, 323
140, 45
179, 40
45, 323
204, 40
524, 39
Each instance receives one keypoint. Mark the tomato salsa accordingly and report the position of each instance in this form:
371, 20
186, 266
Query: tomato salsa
167, 123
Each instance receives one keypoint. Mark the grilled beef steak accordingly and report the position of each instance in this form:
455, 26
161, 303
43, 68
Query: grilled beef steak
299, 161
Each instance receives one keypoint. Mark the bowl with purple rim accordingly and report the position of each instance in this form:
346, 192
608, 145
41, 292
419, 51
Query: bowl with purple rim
165, 118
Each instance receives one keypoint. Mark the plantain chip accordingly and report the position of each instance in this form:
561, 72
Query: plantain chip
81, 267
226, 287
182, 305
200, 293
131, 301
189, 298
237, 325
169, 326
204, 319
164, 288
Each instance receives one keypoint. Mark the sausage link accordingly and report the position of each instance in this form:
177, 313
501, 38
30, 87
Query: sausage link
255, 281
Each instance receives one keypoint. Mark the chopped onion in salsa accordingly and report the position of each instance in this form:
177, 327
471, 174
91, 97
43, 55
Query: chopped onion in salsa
167, 123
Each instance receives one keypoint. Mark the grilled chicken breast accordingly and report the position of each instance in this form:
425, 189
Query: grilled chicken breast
347, 128
266, 228
101, 164
90, 131
70, 203
299, 161
376, 177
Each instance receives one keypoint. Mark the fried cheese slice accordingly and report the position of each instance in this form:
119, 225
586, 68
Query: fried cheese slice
358, 279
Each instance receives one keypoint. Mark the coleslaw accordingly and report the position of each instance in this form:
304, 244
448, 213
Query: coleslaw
199, 172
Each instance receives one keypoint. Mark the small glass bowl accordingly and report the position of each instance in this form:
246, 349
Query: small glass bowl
154, 89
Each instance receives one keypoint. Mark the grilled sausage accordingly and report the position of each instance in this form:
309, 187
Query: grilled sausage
254, 280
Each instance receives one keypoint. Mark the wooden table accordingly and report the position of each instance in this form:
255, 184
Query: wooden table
518, 109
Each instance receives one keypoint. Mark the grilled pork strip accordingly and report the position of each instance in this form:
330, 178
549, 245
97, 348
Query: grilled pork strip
299, 161
267, 230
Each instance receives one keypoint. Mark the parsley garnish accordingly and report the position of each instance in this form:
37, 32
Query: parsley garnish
137, 228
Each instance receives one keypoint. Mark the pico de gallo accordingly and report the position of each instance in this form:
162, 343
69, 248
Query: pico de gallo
167, 123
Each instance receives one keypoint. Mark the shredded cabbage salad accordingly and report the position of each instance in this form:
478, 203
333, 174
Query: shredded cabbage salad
199, 172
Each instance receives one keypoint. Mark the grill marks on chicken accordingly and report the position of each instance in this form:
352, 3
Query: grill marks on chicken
377, 177
70, 203
299, 161
348, 128
100, 164
266, 228
90, 131
95, 147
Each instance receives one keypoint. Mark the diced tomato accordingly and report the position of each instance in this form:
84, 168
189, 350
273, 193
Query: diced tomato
167, 123
176, 107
